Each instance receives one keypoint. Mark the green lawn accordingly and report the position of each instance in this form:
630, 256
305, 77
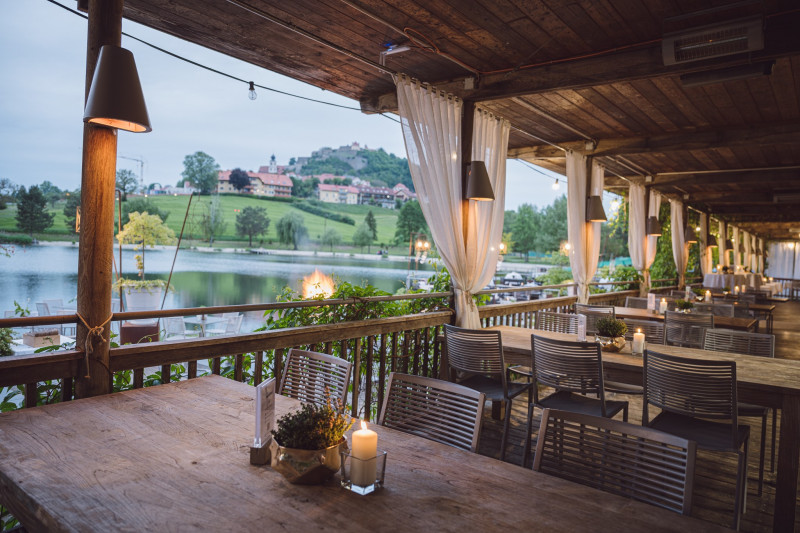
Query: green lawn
176, 205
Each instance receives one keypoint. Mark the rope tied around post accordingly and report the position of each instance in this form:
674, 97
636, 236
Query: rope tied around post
92, 334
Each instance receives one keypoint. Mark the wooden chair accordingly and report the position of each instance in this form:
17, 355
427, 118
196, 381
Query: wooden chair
313, 377
558, 322
477, 355
686, 329
593, 314
437, 410
617, 457
636, 302
698, 402
758, 344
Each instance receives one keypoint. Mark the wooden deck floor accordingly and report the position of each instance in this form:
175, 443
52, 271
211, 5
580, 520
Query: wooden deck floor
716, 473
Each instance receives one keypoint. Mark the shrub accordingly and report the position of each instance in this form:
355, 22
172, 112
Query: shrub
313, 427
15, 238
611, 327
684, 305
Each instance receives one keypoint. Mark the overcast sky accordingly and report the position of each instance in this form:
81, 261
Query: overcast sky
43, 61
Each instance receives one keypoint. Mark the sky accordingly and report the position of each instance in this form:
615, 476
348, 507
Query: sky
43, 63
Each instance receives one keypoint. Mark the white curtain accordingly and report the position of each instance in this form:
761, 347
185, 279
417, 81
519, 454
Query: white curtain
641, 246
680, 250
705, 251
723, 250
737, 257
431, 123
747, 251
584, 237
783, 260
761, 256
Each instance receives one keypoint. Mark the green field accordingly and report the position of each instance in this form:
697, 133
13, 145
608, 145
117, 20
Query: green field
176, 206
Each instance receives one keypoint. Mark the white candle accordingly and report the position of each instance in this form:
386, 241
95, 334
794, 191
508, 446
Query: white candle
708, 296
638, 342
365, 447
662, 306
744, 289
735, 289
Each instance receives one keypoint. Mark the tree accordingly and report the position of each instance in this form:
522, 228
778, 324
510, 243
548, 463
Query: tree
525, 228
71, 208
143, 230
32, 215
239, 179
141, 205
553, 229
304, 188
291, 229
202, 171
7, 191
330, 238
126, 182
410, 220
252, 221
51, 192
292, 161
363, 236
212, 222
372, 224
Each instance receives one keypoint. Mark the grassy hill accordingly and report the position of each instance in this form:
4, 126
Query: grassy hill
176, 206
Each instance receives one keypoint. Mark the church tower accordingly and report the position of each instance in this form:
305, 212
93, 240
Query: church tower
273, 165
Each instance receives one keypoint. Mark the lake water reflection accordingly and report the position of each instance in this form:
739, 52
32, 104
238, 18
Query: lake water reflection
36, 273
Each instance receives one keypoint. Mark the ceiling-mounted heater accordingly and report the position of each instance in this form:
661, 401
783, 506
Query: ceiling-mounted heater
716, 40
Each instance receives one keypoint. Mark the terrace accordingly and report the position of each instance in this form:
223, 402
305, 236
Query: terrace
589, 90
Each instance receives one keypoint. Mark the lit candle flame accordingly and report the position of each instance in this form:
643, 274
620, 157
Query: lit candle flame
363, 425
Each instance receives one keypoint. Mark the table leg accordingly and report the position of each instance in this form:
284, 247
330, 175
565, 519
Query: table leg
788, 459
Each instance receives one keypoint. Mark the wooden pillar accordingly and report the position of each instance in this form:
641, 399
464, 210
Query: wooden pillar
97, 211
467, 126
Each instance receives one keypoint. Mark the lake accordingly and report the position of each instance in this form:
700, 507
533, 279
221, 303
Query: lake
35, 273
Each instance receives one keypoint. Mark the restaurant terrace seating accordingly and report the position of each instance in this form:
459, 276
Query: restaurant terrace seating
437, 410
317, 378
593, 314
613, 456
636, 302
559, 322
698, 401
478, 360
686, 329
716, 309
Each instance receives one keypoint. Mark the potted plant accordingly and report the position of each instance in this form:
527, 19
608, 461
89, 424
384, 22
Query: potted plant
684, 305
611, 334
143, 230
306, 444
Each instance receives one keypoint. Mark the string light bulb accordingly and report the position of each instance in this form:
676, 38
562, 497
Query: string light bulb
251, 94
556, 185
614, 205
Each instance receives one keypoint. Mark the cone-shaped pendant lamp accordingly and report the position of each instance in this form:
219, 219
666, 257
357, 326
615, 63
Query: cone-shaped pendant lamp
115, 97
594, 210
653, 226
479, 187
712, 241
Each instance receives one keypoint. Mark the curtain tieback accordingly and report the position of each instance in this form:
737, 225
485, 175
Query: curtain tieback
468, 297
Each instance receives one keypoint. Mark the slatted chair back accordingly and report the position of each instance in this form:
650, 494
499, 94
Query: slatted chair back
742, 309
593, 314
691, 387
568, 366
558, 322
761, 296
42, 309
686, 329
716, 309
311, 377
174, 326
624, 459
437, 410
680, 295
636, 302
744, 342
653, 331
475, 351
747, 297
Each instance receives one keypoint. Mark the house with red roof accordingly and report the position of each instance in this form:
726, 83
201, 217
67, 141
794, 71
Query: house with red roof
261, 184
337, 194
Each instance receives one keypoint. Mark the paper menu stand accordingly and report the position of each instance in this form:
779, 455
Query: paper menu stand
265, 422
651, 302
581, 328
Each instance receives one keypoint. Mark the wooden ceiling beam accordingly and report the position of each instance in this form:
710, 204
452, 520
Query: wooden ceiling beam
765, 134
787, 177
780, 40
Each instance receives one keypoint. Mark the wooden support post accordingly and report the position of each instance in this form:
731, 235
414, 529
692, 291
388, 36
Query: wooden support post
98, 180
788, 465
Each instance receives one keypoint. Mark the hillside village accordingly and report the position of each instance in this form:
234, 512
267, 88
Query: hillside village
341, 183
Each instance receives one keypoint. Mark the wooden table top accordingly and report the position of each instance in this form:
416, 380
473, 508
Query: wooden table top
753, 374
176, 457
719, 321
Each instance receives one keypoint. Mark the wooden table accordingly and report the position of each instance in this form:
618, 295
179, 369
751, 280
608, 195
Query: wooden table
746, 324
762, 381
175, 458
203, 321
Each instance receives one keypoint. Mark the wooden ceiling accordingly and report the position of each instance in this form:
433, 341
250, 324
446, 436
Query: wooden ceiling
586, 75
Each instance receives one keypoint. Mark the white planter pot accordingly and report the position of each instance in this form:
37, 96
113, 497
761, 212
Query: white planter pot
143, 299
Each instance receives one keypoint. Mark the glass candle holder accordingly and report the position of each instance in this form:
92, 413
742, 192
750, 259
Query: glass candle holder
363, 476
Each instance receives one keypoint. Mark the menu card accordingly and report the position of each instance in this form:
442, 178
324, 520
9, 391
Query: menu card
265, 412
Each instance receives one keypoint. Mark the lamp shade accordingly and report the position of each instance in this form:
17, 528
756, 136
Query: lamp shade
728, 244
712, 241
478, 185
653, 226
741, 247
689, 236
115, 97
594, 210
